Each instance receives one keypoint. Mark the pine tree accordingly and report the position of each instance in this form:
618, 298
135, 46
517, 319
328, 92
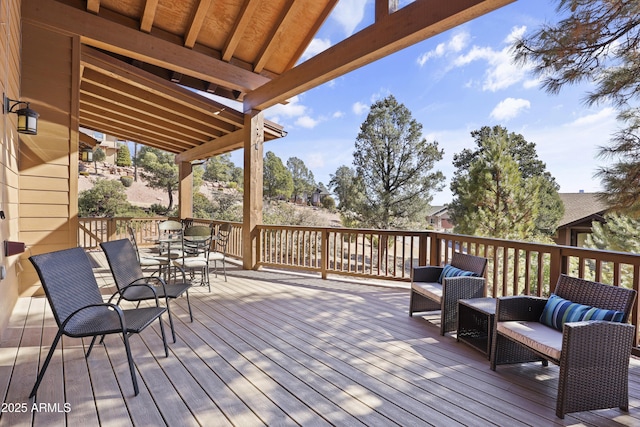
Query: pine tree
502, 190
394, 164
278, 182
124, 156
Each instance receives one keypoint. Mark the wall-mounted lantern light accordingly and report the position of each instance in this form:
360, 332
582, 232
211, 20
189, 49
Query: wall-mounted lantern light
86, 155
27, 118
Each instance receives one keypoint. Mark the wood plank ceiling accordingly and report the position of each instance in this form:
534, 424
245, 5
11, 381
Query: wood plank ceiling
142, 59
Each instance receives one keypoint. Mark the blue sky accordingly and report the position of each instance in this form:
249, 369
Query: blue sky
453, 83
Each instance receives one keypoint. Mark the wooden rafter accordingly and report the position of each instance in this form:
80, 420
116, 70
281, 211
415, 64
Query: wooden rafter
274, 37
93, 6
110, 36
409, 25
146, 23
241, 24
196, 23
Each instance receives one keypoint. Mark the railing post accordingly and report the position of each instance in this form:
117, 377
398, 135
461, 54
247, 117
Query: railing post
435, 249
324, 253
111, 229
423, 241
555, 267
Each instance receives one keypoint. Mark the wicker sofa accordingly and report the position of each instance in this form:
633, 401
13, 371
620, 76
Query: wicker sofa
593, 355
428, 294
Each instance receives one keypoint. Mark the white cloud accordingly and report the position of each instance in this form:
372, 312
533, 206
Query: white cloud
315, 47
337, 115
501, 71
306, 122
509, 108
349, 13
359, 108
293, 108
456, 44
604, 115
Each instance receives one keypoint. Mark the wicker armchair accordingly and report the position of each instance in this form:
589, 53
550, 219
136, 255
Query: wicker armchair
429, 295
593, 355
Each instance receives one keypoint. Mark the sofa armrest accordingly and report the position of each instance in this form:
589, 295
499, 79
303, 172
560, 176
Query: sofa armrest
428, 273
462, 287
521, 307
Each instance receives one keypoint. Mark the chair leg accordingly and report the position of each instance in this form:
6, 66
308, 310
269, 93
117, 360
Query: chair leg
173, 332
130, 360
224, 269
93, 341
54, 344
189, 305
164, 337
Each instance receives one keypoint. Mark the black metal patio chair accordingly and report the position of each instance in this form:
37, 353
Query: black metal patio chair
79, 310
126, 271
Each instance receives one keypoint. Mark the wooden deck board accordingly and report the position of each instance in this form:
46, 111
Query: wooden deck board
269, 348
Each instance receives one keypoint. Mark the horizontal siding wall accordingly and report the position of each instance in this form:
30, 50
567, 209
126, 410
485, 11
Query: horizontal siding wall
48, 161
9, 183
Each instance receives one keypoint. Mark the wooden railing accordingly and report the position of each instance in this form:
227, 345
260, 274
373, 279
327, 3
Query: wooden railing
514, 267
93, 231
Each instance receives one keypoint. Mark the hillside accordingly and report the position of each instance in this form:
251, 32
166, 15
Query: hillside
141, 195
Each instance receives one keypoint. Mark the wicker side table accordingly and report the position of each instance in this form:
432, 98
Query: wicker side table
475, 323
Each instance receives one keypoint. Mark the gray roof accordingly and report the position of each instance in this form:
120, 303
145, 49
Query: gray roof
580, 205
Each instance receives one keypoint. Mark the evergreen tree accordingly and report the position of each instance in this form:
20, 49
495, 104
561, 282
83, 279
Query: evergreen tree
395, 164
501, 189
219, 168
124, 155
98, 156
278, 182
107, 198
618, 233
597, 41
346, 186
303, 181
160, 170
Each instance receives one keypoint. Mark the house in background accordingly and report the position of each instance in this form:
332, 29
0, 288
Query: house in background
438, 219
580, 210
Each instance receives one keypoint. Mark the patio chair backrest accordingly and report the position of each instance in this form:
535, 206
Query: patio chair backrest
469, 263
122, 260
199, 247
595, 294
224, 231
68, 281
169, 226
132, 237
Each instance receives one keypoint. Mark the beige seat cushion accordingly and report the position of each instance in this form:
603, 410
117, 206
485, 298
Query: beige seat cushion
433, 291
541, 338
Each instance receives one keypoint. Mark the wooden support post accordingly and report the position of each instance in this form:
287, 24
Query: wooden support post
185, 190
253, 181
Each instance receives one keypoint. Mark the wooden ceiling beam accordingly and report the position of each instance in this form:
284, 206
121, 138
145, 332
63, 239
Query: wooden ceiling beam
104, 34
163, 124
109, 91
413, 23
118, 128
240, 26
196, 23
214, 147
148, 16
224, 118
273, 40
121, 119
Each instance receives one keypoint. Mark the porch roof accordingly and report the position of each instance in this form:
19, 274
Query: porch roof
142, 59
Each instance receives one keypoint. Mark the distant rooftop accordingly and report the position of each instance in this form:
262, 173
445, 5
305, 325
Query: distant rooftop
578, 206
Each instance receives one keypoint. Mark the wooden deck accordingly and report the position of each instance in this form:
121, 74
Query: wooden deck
269, 348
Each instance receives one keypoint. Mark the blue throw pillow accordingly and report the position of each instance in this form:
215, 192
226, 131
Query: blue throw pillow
451, 271
559, 311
